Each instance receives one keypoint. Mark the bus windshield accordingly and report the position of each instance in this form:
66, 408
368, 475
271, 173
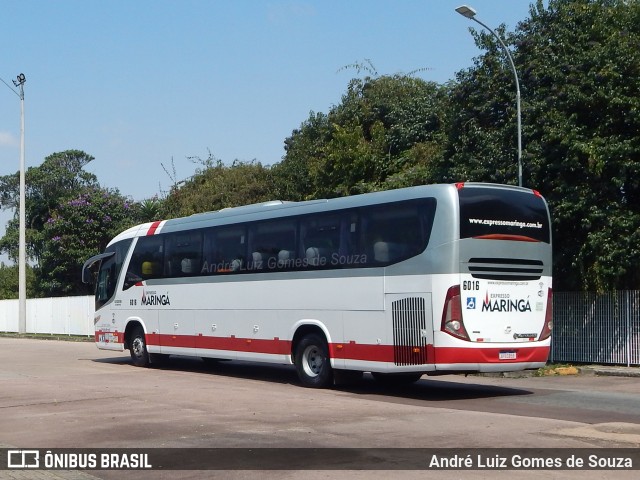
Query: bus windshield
110, 262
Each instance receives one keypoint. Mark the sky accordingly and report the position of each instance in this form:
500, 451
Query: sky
146, 83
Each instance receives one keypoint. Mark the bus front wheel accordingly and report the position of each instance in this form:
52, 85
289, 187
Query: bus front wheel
138, 348
312, 362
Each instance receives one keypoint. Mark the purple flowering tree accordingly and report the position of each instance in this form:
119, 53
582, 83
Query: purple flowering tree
77, 229
61, 176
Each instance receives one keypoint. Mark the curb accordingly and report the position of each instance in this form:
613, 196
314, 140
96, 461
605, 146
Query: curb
603, 371
586, 370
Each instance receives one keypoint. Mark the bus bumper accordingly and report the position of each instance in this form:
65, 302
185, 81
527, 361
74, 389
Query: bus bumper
491, 359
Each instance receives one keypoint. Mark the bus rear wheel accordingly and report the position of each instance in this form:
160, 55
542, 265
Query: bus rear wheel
312, 362
138, 348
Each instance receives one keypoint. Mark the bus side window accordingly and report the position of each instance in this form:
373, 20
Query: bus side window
393, 233
134, 273
150, 269
286, 258
388, 251
224, 250
147, 258
105, 286
323, 237
184, 253
209, 253
273, 244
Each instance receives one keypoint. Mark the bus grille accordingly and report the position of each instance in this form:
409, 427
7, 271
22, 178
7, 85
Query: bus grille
505, 268
409, 331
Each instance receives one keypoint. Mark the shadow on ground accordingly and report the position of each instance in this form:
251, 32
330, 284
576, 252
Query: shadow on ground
437, 389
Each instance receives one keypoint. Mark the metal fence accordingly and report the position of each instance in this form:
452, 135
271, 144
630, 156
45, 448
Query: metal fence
596, 328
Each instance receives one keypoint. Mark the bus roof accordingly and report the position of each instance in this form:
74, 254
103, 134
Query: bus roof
278, 208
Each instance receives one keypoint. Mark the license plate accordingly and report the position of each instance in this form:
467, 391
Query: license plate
507, 356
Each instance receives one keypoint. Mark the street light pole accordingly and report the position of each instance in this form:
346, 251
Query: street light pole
22, 260
22, 257
470, 13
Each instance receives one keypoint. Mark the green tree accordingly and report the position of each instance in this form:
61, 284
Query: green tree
579, 68
385, 133
583, 110
61, 176
150, 210
69, 218
303, 149
77, 229
585, 153
216, 186
482, 135
9, 281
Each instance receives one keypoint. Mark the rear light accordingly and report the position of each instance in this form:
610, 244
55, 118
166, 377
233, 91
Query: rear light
460, 185
537, 193
548, 318
504, 236
452, 315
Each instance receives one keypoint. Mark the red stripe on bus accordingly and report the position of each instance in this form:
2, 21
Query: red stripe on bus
355, 351
490, 355
233, 344
385, 353
348, 350
154, 226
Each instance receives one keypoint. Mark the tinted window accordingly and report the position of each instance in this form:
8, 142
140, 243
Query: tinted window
272, 244
391, 233
497, 213
373, 236
225, 250
109, 272
183, 254
328, 238
147, 260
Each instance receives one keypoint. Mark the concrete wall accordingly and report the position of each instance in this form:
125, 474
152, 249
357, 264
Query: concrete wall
61, 316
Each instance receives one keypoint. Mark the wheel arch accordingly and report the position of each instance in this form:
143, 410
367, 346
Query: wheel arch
132, 323
304, 328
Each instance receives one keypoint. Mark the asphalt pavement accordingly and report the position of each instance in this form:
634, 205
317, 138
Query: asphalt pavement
584, 370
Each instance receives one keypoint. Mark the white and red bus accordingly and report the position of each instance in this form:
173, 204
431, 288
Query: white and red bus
424, 280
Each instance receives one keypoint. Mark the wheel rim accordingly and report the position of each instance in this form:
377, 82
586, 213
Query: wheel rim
312, 360
138, 347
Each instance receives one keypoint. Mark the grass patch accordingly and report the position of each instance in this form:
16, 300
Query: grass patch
557, 369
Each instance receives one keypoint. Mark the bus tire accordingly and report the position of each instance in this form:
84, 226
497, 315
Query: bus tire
138, 348
312, 362
396, 379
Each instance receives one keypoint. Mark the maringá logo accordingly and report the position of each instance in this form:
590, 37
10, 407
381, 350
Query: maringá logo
151, 298
503, 303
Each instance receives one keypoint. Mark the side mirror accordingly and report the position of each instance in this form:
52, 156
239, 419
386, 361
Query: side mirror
87, 275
